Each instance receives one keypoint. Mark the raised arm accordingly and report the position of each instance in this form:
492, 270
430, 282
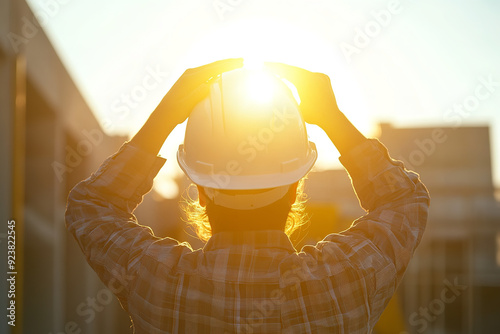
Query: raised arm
100, 209
175, 107
319, 106
370, 258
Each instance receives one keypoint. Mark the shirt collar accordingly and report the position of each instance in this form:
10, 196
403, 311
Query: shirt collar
255, 239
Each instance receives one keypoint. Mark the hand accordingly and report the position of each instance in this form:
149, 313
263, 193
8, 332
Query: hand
192, 87
175, 107
318, 103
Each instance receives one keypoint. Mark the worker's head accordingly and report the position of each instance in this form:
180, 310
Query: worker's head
246, 149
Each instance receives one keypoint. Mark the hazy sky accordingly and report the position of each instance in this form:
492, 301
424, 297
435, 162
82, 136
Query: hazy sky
412, 63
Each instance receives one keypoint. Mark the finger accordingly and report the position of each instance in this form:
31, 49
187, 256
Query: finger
196, 95
200, 92
205, 72
295, 75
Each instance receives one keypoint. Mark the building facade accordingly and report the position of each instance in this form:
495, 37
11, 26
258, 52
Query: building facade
50, 141
453, 283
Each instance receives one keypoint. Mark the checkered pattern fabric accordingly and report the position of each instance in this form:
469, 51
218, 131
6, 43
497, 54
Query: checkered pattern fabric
251, 282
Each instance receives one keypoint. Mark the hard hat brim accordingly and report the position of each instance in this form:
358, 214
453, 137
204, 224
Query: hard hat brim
224, 179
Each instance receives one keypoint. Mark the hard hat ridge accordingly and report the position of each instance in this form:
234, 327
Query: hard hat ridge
236, 140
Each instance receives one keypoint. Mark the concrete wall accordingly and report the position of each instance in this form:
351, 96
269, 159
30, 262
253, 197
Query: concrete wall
43, 118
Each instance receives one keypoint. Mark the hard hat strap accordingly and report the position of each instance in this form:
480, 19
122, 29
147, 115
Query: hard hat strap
246, 201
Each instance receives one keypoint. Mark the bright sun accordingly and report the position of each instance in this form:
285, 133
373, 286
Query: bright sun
260, 86
264, 40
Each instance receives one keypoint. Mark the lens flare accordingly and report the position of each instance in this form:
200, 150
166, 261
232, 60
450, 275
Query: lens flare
260, 87
253, 63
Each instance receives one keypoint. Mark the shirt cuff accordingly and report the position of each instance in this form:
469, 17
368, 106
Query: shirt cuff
375, 176
370, 154
127, 174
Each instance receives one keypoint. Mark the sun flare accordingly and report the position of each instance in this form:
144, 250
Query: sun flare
259, 41
260, 87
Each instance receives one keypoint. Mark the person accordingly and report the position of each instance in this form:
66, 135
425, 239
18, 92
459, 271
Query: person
249, 278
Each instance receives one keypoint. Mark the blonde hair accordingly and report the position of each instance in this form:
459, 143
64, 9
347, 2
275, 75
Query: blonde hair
198, 220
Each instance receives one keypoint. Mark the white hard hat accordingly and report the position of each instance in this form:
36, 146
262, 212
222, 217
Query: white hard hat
247, 134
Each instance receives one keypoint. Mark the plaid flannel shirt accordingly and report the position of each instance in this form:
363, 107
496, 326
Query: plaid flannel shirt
251, 282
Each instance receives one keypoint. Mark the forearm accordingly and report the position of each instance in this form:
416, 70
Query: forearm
379, 245
99, 213
343, 134
154, 132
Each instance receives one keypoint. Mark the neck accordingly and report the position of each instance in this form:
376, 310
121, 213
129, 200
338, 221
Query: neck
271, 217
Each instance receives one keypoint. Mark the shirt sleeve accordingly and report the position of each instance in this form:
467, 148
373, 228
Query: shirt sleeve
99, 215
370, 257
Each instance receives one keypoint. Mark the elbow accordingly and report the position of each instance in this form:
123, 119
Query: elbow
75, 203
